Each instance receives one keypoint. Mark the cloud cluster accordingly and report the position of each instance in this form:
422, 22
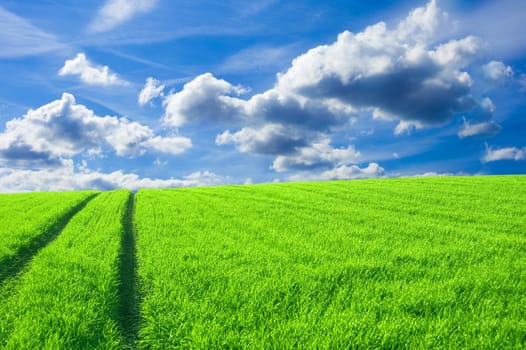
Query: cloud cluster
63, 128
507, 153
402, 73
397, 72
116, 12
67, 177
89, 73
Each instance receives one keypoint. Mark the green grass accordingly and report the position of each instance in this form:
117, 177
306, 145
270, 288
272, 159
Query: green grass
27, 219
372, 264
68, 296
394, 263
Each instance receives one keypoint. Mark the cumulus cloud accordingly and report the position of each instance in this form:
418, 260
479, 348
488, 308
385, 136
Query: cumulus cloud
117, 12
89, 73
496, 70
483, 129
342, 172
152, 89
397, 72
404, 73
68, 177
507, 153
204, 98
63, 128
392, 71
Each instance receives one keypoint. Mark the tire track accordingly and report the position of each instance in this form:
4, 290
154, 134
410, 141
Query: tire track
15, 264
129, 308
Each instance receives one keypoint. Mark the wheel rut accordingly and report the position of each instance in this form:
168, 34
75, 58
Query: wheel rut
15, 264
129, 308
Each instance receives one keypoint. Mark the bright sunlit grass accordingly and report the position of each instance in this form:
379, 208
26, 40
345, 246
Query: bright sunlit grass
395, 263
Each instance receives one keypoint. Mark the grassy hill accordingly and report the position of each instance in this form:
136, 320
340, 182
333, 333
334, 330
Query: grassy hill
391, 263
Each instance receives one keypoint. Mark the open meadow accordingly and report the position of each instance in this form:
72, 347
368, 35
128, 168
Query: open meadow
425, 263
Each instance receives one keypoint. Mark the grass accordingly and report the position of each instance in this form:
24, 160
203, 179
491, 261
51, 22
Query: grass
29, 220
395, 263
68, 297
370, 264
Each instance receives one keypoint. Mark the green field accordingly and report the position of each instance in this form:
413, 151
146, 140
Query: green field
384, 264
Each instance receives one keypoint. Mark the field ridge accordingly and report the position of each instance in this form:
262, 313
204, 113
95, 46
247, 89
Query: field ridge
129, 308
13, 265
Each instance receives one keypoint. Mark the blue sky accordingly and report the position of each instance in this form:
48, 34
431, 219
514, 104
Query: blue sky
158, 93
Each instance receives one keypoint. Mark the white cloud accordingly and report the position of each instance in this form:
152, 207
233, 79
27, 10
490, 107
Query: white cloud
406, 127
116, 12
89, 73
434, 173
484, 129
21, 38
507, 153
168, 144
204, 98
408, 73
63, 128
399, 73
343, 172
488, 107
66, 178
319, 154
152, 89
496, 70
481, 125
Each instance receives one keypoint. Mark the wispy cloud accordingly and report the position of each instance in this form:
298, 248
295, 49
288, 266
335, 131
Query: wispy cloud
89, 73
258, 58
507, 153
487, 129
117, 12
21, 38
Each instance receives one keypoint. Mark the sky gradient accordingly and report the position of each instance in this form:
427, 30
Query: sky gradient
158, 93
